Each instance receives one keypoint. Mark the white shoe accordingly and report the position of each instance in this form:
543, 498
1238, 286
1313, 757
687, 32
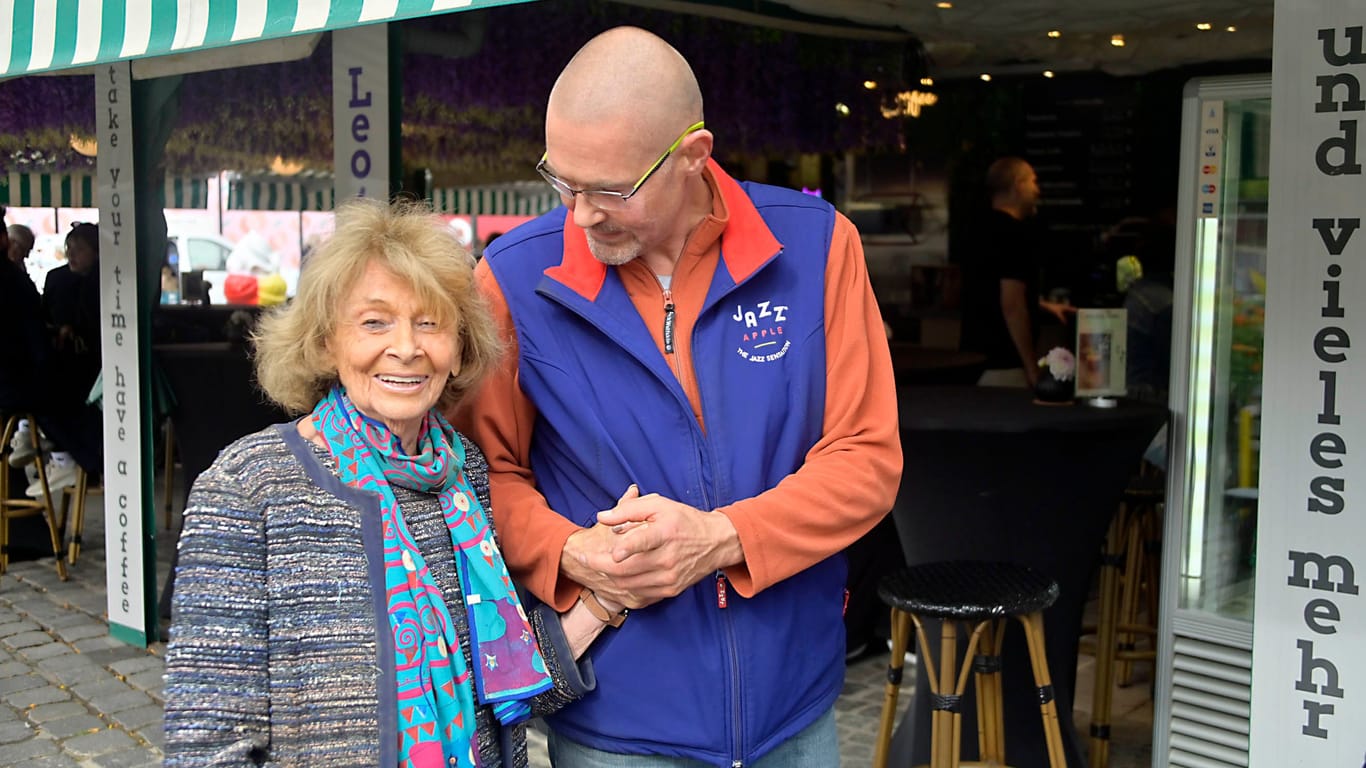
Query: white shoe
21, 445
910, 654
61, 473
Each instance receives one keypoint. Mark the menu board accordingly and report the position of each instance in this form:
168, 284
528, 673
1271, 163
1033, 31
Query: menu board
1083, 146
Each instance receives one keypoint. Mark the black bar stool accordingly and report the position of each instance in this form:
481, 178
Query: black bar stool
982, 595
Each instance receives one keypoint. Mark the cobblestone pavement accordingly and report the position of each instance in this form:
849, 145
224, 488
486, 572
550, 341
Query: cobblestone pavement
72, 696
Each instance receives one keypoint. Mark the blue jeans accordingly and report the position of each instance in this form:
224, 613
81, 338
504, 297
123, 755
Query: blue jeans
816, 746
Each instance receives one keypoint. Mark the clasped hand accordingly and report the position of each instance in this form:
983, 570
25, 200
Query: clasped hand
647, 548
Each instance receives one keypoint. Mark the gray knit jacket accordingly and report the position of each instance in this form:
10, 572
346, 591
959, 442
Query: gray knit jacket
279, 653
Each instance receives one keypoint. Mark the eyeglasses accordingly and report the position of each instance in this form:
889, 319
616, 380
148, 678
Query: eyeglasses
609, 198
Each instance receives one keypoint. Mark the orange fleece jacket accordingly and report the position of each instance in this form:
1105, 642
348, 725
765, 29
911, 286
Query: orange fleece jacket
846, 485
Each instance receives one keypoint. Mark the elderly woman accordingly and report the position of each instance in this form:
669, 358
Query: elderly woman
340, 598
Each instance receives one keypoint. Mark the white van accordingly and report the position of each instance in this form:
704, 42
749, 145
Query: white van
205, 256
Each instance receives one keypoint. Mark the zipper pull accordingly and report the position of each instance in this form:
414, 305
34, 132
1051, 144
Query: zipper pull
669, 323
720, 591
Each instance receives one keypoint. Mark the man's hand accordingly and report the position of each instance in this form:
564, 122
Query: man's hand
647, 548
664, 546
1058, 310
587, 559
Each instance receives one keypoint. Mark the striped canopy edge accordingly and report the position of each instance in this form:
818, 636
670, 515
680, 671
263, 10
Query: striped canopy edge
309, 195
47, 35
276, 194
516, 199
77, 190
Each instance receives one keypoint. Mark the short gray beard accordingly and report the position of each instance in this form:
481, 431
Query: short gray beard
613, 256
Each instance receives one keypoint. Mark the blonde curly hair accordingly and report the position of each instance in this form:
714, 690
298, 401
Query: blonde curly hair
293, 365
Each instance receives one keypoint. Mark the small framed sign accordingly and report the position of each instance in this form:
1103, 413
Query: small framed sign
1102, 337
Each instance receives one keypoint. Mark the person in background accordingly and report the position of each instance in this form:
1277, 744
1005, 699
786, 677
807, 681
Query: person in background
71, 292
1000, 279
71, 303
1148, 305
340, 596
25, 348
20, 246
697, 417
488, 240
24, 353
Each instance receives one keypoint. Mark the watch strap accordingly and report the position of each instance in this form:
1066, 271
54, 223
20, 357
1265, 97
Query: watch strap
595, 607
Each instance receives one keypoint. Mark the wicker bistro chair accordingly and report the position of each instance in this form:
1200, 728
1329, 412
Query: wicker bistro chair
1130, 564
982, 596
12, 507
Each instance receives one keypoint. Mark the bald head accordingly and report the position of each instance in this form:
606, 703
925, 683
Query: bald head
628, 74
1014, 187
1005, 173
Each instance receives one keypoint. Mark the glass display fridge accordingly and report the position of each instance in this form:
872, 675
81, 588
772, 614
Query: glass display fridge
1204, 664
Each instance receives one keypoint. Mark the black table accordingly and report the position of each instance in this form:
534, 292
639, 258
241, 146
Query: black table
216, 402
919, 365
991, 475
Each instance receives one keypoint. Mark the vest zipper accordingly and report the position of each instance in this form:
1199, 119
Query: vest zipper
668, 322
737, 709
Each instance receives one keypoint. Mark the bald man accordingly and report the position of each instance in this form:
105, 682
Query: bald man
1001, 275
696, 416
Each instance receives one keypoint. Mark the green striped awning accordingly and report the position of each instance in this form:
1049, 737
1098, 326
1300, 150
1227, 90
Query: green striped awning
531, 198
277, 194
315, 193
42, 35
48, 190
77, 190
187, 193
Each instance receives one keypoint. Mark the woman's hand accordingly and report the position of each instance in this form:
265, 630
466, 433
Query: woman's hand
581, 627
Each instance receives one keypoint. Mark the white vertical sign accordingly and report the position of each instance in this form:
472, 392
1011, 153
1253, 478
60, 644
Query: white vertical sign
360, 111
1309, 673
1211, 159
119, 332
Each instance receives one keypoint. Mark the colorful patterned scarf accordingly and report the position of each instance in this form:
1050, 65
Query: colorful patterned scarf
435, 698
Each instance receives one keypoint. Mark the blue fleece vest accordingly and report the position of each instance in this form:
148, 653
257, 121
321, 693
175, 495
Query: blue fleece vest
686, 677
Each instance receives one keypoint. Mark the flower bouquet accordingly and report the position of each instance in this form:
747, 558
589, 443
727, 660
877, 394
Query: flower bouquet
1057, 377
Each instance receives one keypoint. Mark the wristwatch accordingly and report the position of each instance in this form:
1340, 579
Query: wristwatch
599, 610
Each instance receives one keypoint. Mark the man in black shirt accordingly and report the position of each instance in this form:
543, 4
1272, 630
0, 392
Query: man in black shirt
1000, 278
